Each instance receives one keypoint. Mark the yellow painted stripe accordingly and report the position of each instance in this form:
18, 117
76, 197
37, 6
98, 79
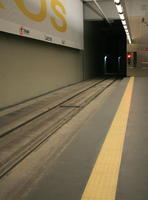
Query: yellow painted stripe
102, 183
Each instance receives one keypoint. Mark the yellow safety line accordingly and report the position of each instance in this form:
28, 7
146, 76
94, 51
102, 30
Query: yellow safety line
102, 183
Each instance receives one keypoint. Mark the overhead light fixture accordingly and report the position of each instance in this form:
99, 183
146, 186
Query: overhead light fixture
123, 22
121, 16
119, 8
125, 27
129, 39
127, 34
117, 1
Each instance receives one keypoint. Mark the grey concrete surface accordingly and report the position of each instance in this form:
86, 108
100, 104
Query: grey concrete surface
133, 178
19, 181
138, 71
67, 178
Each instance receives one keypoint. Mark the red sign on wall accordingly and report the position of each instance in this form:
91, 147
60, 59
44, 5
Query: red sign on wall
145, 49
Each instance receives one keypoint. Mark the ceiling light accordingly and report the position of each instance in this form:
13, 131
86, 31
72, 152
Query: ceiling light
119, 8
117, 1
123, 22
128, 34
122, 16
129, 39
125, 27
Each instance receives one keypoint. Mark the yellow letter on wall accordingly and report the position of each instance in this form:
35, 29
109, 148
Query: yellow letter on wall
62, 28
1, 5
36, 17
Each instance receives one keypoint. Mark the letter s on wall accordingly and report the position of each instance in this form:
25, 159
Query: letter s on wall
62, 28
1, 5
36, 17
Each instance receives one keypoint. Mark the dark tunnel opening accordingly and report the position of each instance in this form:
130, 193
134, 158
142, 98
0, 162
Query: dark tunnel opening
104, 49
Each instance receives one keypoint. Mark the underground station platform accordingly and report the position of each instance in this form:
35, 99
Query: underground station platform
90, 145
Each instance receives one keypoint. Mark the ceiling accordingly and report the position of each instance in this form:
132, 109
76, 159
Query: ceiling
138, 9
107, 6
135, 10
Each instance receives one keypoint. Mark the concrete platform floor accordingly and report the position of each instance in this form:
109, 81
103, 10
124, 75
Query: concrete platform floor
138, 71
61, 167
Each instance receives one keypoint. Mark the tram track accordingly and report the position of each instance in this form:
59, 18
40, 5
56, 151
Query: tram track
29, 111
24, 139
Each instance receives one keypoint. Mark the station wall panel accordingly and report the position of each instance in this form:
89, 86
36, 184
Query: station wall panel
30, 68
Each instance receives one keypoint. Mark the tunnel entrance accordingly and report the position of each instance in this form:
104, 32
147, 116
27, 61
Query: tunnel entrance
104, 49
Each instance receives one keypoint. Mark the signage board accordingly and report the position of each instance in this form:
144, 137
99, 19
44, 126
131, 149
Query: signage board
54, 21
145, 49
